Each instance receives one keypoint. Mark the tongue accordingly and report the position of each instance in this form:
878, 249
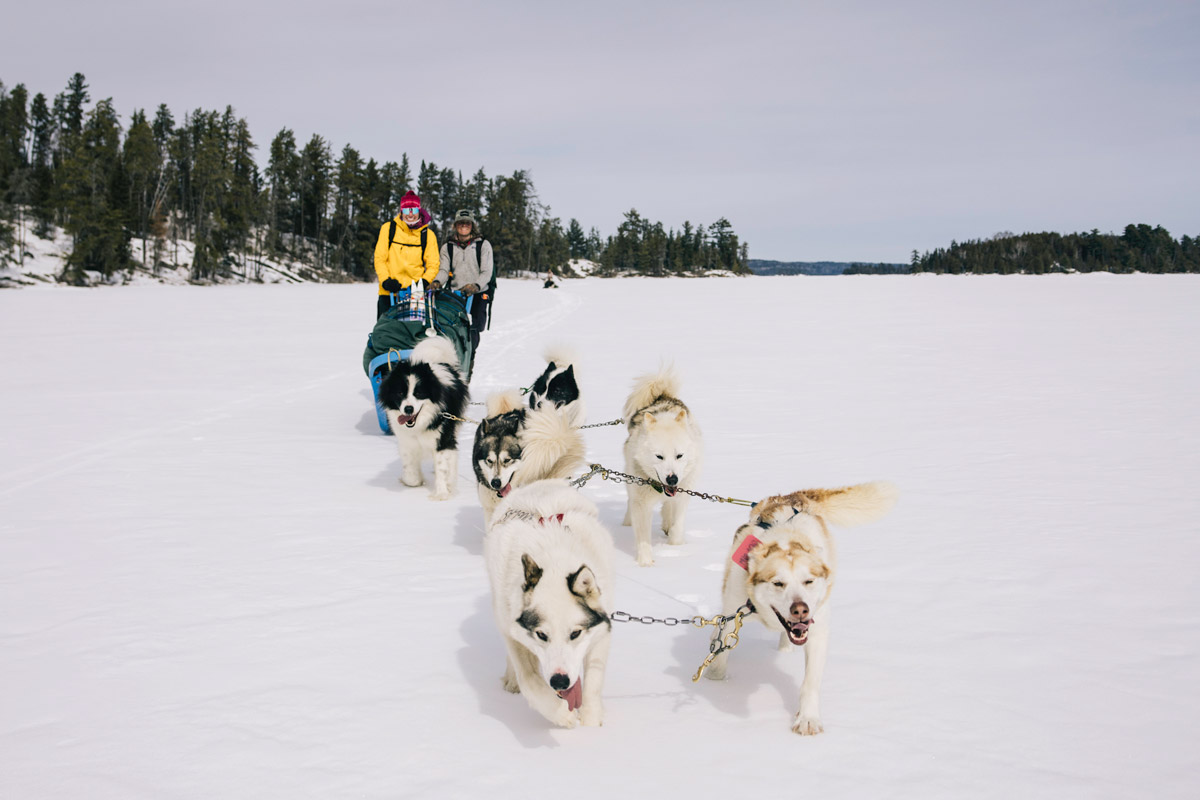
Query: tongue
669, 491
574, 695
507, 488
403, 420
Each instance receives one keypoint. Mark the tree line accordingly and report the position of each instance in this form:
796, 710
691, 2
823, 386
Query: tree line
1140, 248
162, 180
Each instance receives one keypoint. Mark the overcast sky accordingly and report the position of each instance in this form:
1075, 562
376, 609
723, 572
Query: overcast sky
822, 130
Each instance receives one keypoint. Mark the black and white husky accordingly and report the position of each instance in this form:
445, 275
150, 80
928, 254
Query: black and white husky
557, 386
515, 446
549, 562
418, 395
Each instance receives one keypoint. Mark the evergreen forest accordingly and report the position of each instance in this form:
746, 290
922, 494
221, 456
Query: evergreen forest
158, 179
1140, 248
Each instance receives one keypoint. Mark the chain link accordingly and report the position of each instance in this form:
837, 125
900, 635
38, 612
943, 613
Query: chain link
448, 415
720, 642
621, 477
601, 424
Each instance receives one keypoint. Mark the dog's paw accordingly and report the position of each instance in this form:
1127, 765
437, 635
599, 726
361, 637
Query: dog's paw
510, 684
411, 479
564, 717
715, 672
675, 538
807, 726
592, 717
645, 556
439, 496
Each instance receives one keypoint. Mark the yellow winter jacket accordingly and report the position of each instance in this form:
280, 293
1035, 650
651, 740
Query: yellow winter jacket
404, 260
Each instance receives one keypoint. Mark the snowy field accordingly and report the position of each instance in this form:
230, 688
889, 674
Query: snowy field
212, 584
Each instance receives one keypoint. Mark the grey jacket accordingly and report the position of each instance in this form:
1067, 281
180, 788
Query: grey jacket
463, 265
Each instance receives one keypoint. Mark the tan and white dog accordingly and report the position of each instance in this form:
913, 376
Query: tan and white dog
549, 561
664, 446
784, 562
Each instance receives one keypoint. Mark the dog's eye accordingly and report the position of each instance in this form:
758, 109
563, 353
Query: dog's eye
678, 456
808, 582
778, 584
491, 461
575, 634
660, 458
543, 636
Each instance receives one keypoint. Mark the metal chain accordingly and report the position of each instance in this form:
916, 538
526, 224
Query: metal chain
448, 415
721, 641
601, 424
621, 477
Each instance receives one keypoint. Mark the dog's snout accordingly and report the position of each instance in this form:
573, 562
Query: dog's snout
559, 682
799, 610
672, 479
495, 483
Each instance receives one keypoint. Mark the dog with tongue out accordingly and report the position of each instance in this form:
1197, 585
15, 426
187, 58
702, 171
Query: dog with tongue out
784, 563
549, 562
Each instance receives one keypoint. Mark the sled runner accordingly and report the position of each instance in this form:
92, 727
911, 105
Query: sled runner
416, 314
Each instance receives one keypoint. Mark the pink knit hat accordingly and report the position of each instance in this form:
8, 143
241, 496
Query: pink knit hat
410, 200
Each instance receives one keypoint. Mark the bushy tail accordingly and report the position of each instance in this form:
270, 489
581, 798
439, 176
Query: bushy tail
647, 388
435, 350
503, 402
561, 356
551, 447
852, 505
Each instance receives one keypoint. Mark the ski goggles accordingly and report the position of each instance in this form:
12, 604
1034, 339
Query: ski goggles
410, 210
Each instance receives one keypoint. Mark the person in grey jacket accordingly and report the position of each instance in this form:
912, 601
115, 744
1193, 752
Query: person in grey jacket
466, 265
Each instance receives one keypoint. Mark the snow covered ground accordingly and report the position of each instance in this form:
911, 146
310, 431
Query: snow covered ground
212, 584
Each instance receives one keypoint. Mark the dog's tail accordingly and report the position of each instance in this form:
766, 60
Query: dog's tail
648, 388
435, 350
551, 447
561, 356
503, 402
850, 505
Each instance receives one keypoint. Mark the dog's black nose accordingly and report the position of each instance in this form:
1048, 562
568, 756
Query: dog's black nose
495, 483
559, 682
672, 480
408, 409
799, 610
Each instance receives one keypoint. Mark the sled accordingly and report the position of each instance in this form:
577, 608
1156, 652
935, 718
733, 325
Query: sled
414, 315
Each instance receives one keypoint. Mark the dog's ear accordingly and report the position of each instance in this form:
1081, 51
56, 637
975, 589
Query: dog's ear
550, 368
582, 583
483, 425
533, 573
682, 413
649, 419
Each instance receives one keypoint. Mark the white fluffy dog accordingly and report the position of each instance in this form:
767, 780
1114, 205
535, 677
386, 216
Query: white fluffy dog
784, 562
664, 446
549, 561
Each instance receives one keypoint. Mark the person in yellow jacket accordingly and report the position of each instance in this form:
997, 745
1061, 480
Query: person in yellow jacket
402, 261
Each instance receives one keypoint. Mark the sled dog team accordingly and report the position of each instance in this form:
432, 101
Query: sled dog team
549, 558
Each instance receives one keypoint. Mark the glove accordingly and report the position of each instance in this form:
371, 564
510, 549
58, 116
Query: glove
435, 285
391, 285
470, 289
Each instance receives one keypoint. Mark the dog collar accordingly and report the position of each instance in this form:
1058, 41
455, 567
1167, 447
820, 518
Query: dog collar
741, 556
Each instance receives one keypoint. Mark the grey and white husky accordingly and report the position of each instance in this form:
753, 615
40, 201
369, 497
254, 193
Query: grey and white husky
664, 446
549, 562
515, 446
